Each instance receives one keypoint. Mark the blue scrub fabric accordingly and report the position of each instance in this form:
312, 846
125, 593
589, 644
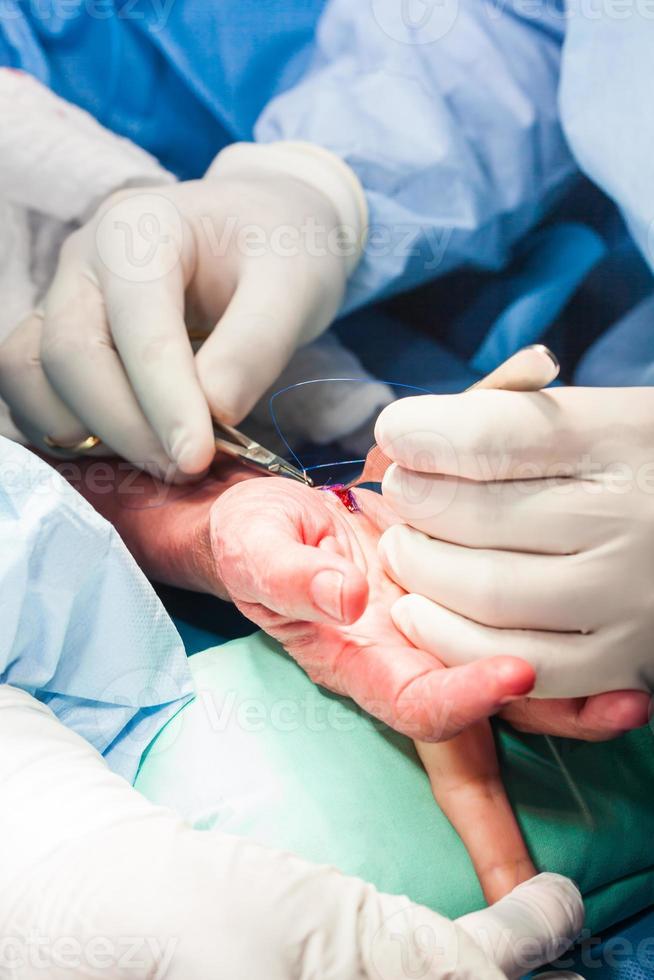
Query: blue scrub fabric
454, 121
624, 952
453, 125
180, 79
81, 628
624, 355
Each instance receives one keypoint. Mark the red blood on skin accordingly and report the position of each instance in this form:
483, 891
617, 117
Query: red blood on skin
345, 496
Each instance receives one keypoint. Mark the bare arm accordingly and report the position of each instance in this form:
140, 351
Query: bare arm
166, 527
467, 784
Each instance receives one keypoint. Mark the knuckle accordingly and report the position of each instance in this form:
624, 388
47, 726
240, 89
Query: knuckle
156, 347
139, 236
519, 717
19, 354
58, 342
63, 339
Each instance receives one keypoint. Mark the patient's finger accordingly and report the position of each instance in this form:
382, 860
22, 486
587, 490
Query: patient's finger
593, 719
412, 692
406, 689
467, 785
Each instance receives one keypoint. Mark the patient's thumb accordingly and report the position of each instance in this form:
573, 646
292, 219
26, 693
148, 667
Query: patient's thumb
531, 926
316, 585
337, 595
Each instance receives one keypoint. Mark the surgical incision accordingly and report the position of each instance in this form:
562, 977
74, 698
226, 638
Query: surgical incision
345, 495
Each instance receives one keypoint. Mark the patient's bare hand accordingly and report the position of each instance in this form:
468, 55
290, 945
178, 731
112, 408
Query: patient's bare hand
168, 531
301, 566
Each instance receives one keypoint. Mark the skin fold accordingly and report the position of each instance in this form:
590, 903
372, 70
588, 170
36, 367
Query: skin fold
305, 569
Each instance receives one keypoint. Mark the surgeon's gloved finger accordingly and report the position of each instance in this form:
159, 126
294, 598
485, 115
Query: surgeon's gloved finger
83, 367
456, 640
549, 517
496, 435
35, 406
504, 589
145, 309
268, 562
593, 719
254, 339
531, 926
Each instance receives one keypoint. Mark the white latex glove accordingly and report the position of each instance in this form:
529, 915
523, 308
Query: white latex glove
57, 163
97, 882
531, 531
262, 247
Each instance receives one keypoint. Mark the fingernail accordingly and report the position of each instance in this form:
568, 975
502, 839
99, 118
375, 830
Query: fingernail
510, 698
519, 681
327, 593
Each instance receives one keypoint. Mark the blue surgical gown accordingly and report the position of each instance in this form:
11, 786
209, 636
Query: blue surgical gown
464, 121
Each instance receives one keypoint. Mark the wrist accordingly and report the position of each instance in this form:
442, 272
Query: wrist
319, 168
173, 541
166, 527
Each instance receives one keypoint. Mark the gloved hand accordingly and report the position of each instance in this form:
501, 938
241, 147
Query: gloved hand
97, 882
530, 533
262, 247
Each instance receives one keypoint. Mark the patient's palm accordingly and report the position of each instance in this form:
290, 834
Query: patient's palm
271, 537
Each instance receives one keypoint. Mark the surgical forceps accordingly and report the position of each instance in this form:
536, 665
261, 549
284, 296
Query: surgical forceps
241, 447
228, 440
